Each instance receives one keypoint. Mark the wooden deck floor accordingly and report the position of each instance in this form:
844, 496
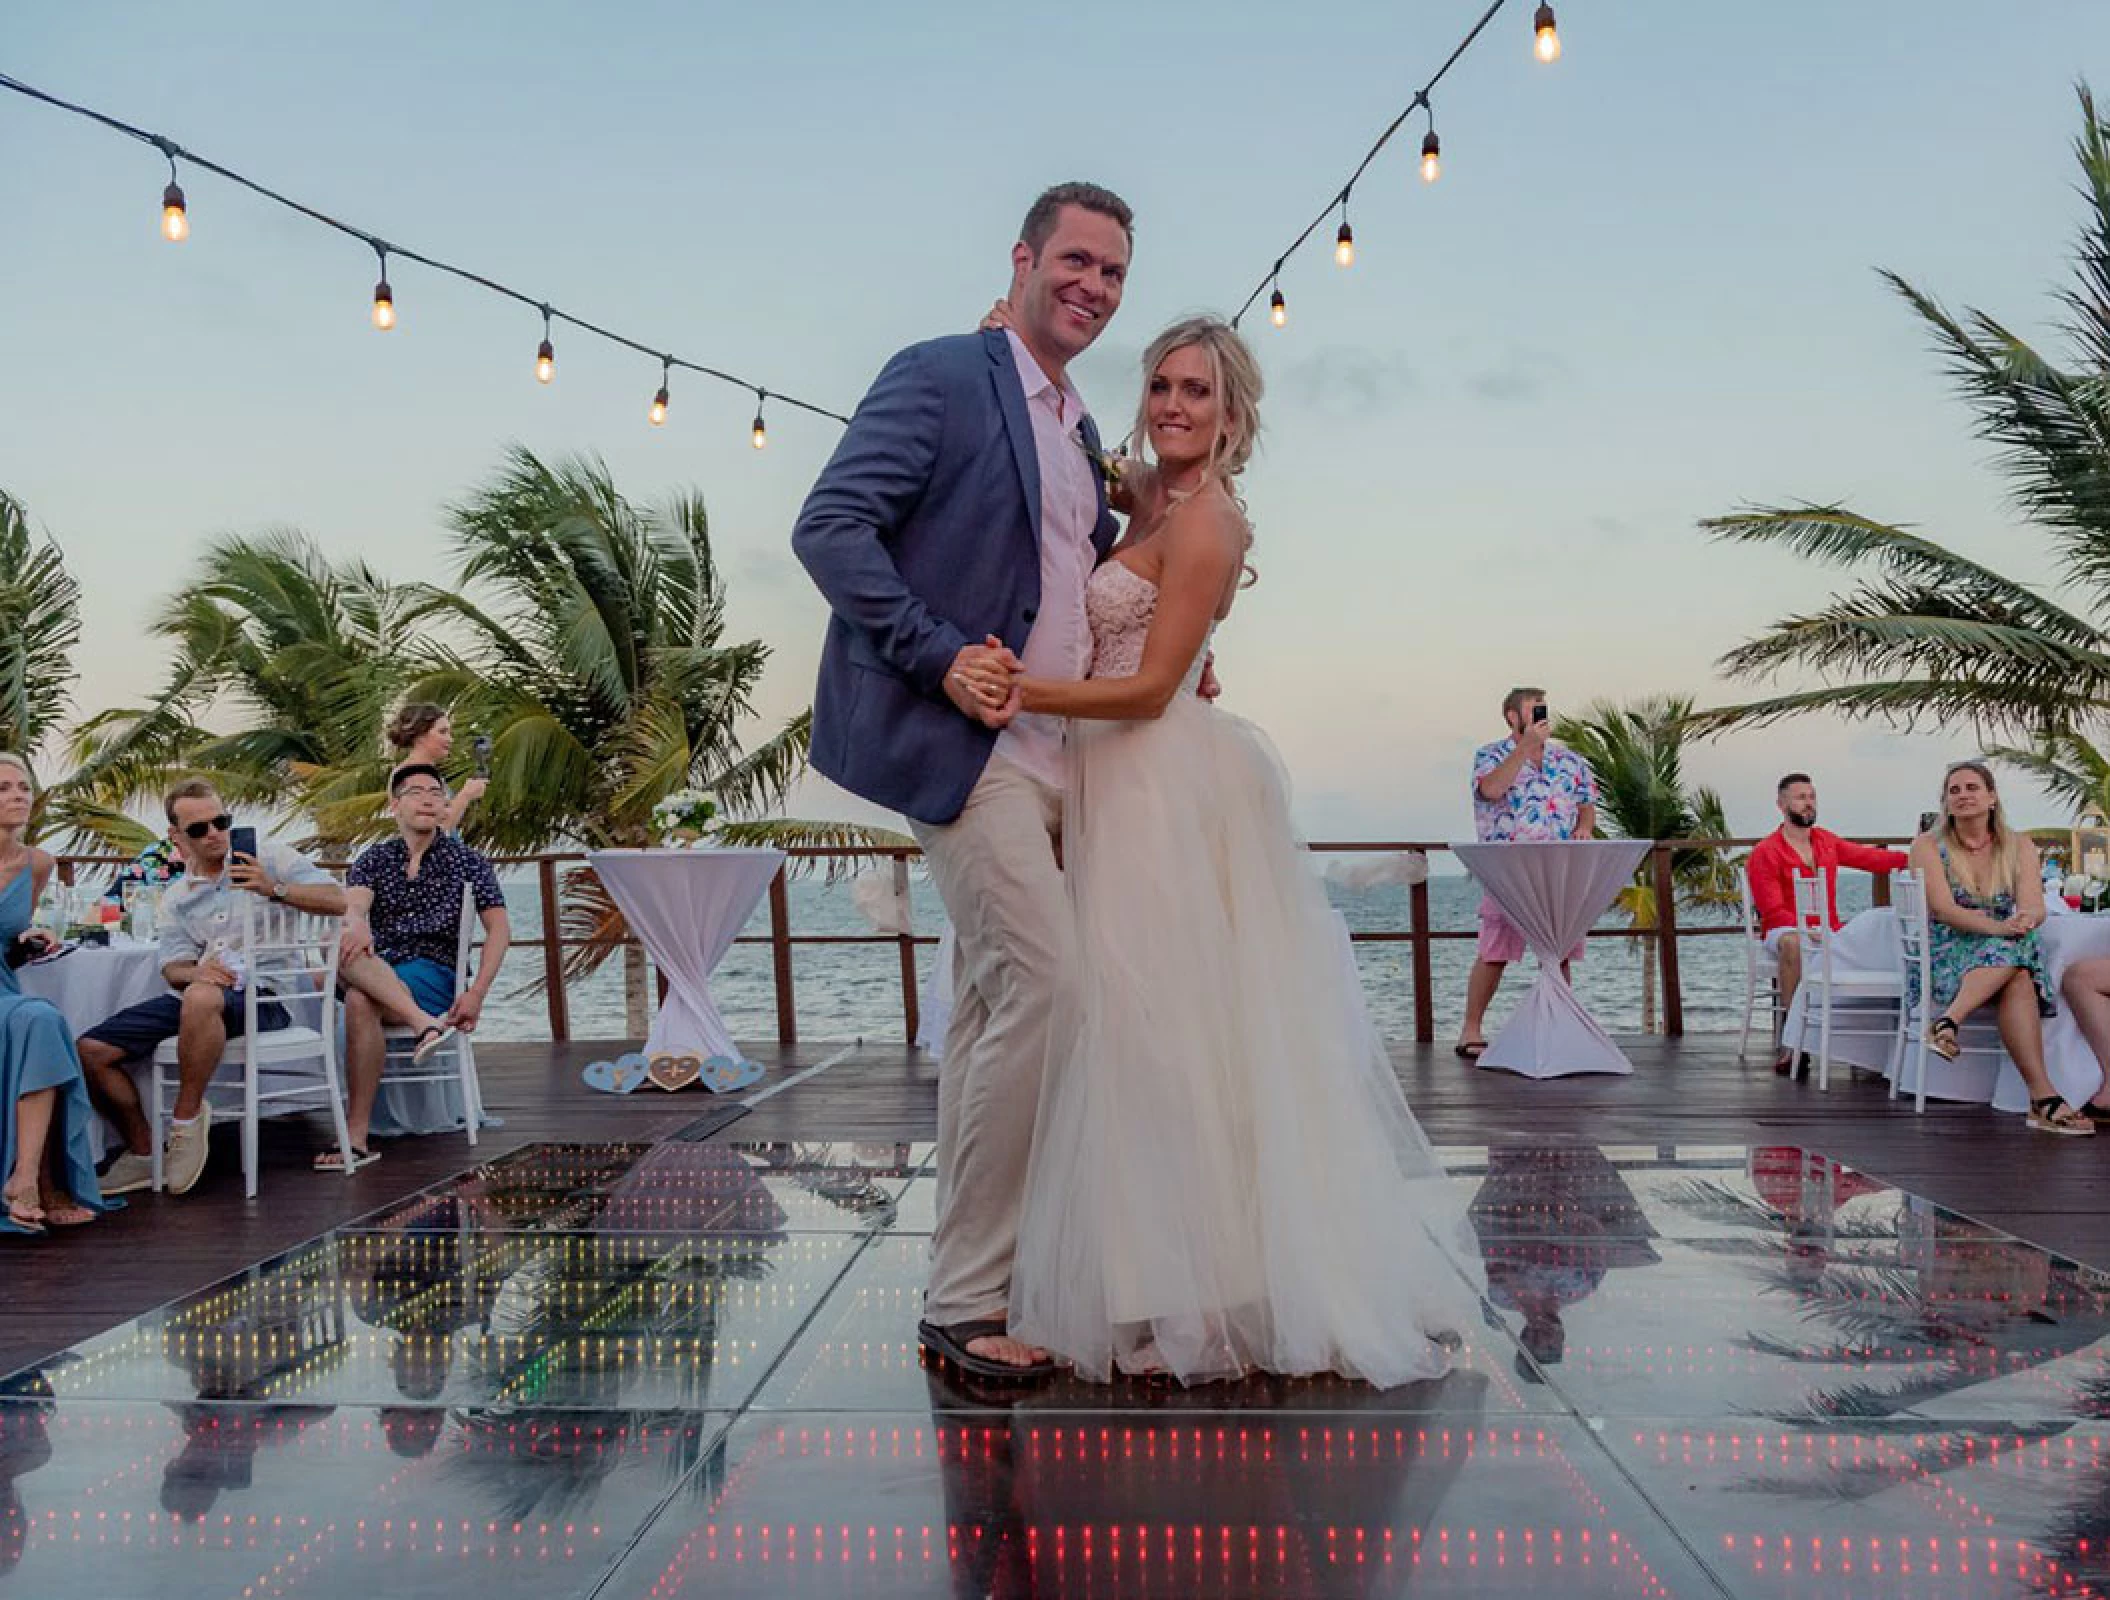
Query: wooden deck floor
1695, 1091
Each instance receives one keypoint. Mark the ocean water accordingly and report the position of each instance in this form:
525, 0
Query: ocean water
846, 992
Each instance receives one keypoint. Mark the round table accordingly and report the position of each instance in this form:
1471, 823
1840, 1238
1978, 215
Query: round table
686, 907
1554, 892
93, 982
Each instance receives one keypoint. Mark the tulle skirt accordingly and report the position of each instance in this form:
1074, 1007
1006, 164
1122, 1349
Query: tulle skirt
1225, 1175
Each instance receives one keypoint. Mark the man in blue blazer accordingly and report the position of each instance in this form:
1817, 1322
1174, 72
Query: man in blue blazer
953, 533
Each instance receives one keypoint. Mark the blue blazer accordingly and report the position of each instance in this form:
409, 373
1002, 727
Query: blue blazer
924, 534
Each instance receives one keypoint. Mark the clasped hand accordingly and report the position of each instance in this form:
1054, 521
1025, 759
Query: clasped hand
983, 682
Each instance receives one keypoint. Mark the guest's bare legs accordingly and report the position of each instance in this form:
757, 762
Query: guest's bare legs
364, 1049
32, 1127
2022, 1031
2086, 991
1480, 986
201, 1039
115, 1095
377, 981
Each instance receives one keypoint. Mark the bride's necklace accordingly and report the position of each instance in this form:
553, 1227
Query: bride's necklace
1978, 848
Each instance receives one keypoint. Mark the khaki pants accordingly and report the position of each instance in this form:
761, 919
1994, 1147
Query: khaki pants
996, 870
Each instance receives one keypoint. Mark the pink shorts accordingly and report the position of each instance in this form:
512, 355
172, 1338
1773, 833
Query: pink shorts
1502, 940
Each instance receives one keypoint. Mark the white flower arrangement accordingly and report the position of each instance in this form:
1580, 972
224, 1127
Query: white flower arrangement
687, 815
2090, 892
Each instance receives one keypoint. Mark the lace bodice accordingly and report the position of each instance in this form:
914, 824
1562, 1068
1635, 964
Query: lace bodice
1119, 603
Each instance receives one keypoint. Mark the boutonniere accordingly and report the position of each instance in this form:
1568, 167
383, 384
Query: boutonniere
1107, 463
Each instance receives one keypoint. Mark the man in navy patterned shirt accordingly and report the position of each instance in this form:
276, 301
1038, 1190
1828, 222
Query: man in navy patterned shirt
402, 928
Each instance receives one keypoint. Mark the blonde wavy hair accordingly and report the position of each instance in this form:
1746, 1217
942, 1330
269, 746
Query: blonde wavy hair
1234, 378
2003, 860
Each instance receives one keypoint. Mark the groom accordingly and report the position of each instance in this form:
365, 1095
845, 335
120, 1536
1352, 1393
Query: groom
953, 533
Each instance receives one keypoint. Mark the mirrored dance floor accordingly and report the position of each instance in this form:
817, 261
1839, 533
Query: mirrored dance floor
690, 1369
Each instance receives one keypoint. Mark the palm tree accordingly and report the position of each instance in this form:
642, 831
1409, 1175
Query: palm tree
1637, 753
298, 658
594, 655
1930, 634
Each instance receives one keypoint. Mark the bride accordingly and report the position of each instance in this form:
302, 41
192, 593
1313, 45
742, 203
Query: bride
1225, 1175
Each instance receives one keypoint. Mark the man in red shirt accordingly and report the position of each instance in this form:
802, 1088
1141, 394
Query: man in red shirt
1798, 848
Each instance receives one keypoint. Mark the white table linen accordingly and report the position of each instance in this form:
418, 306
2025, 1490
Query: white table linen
1871, 940
1554, 892
92, 983
686, 907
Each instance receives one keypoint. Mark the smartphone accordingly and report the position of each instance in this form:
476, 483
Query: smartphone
482, 747
242, 842
1538, 712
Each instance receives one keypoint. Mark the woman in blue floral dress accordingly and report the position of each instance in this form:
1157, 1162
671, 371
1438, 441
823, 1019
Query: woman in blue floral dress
1985, 902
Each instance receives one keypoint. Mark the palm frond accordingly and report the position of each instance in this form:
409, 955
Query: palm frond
40, 623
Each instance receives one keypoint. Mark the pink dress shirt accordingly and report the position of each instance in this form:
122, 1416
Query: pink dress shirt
1059, 644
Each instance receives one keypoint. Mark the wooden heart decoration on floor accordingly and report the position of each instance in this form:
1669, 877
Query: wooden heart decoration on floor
671, 1072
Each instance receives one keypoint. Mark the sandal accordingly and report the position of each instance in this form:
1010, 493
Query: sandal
2053, 1115
332, 1160
949, 1345
25, 1216
429, 1041
1470, 1049
1942, 1039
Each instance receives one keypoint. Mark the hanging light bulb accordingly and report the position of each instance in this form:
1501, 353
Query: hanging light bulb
761, 429
1344, 245
175, 220
545, 353
384, 297
1278, 309
658, 413
1548, 44
1431, 157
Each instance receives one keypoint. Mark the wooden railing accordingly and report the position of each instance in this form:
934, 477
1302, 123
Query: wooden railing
1420, 934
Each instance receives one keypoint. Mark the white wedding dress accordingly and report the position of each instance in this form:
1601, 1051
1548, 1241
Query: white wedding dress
1225, 1175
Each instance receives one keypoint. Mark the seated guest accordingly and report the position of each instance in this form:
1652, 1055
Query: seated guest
422, 734
1798, 848
1984, 906
200, 931
402, 927
47, 1161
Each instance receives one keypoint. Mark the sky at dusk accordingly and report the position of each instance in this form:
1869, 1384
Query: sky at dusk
1642, 294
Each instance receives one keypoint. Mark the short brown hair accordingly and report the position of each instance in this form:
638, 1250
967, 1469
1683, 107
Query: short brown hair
1514, 702
1042, 214
1790, 781
411, 722
188, 789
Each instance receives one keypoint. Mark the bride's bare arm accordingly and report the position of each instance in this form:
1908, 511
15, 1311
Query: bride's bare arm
1203, 546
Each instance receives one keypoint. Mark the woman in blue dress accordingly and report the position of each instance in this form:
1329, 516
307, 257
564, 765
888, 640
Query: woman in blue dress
46, 1145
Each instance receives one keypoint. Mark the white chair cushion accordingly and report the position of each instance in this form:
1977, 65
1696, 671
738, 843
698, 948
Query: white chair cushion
272, 1044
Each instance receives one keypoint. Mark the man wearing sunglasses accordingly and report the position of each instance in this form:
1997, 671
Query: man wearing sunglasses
201, 931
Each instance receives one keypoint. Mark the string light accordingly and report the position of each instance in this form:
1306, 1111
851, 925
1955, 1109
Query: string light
1278, 309
761, 429
175, 225
175, 216
658, 413
546, 353
1431, 169
384, 297
1547, 45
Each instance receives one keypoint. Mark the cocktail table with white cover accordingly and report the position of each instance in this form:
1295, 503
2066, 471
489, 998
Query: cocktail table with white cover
686, 907
1871, 940
1554, 892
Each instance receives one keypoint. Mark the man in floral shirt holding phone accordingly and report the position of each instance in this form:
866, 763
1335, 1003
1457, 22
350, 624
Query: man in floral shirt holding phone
1525, 788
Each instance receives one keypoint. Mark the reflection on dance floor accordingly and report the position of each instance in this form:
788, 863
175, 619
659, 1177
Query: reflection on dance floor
689, 1369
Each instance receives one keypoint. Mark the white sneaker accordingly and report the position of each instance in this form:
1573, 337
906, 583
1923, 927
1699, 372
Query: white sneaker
184, 1160
128, 1174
